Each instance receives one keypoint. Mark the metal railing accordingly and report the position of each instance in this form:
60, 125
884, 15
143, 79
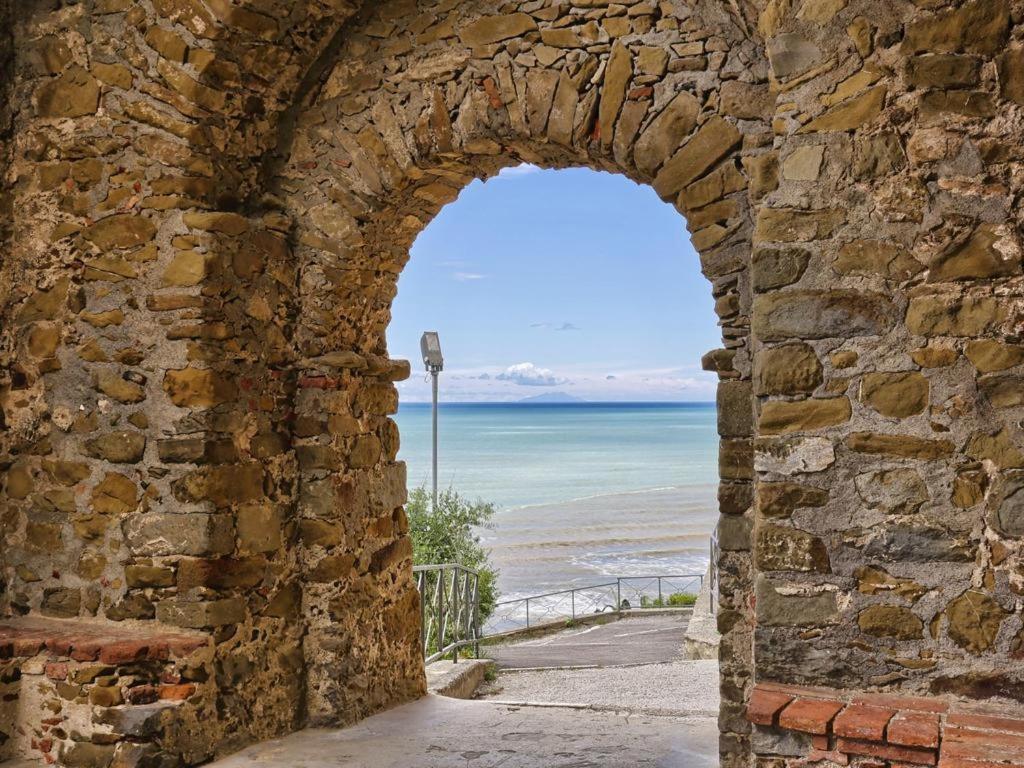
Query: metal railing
625, 592
449, 609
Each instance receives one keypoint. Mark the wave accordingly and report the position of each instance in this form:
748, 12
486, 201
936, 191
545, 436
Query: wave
613, 494
611, 541
528, 531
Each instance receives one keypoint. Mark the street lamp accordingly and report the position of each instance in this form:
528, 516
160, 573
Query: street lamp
430, 346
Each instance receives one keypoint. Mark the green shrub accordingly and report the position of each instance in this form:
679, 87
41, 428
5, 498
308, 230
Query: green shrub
448, 535
675, 600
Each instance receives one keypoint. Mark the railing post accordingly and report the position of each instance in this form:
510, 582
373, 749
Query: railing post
527, 613
476, 615
618, 594
661, 602
440, 610
455, 615
572, 594
470, 605
423, 612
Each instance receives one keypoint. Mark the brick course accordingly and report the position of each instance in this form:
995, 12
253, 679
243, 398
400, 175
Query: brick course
901, 731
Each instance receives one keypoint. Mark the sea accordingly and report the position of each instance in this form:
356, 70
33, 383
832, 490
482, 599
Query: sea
585, 492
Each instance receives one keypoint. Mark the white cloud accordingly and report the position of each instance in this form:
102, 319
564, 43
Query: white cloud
529, 375
616, 382
465, 277
553, 327
517, 171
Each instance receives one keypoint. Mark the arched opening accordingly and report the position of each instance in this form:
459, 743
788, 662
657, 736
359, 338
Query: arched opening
573, 318
566, 288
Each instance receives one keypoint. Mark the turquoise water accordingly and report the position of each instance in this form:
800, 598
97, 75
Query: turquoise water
584, 490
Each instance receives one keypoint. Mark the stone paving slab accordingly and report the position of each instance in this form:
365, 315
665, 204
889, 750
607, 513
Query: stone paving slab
640, 640
437, 732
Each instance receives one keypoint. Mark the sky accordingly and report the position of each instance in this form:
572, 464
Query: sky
570, 281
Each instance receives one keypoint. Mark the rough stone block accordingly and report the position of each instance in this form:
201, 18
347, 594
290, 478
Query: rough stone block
196, 534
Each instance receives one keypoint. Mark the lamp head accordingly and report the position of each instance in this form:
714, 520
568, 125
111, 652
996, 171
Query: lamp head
430, 346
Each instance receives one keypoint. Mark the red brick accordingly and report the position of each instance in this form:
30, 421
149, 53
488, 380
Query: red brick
914, 755
60, 646
124, 652
915, 703
988, 722
820, 743
57, 671
177, 692
914, 729
810, 691
859, 721
956, 762
86, 650
764, 706
982, 745
810, 715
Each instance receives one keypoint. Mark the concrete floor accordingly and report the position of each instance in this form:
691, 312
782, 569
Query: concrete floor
680, 688
634, 640
437, 732
585, 710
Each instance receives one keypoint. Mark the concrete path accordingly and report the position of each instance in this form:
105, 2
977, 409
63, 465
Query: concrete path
582, 709
437, 732
634, 640
679, 688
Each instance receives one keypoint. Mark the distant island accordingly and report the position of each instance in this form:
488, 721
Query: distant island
553, 397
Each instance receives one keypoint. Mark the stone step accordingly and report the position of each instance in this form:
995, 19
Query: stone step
84, 692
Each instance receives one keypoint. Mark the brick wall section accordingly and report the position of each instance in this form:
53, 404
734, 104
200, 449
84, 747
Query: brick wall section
843, 727
95, 694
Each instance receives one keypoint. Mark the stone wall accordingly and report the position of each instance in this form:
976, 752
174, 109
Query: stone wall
211, 203
153, 464
888, 314
6, 211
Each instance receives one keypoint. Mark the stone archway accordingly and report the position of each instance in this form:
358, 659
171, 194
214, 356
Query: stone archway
198, 477
396, 131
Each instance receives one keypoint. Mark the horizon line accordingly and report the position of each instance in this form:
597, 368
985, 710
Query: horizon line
568, 402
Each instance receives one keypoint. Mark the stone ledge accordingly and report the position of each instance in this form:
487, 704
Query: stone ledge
908, 730
457, 681
84, 640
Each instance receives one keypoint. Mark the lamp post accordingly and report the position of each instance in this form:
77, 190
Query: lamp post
430, 346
